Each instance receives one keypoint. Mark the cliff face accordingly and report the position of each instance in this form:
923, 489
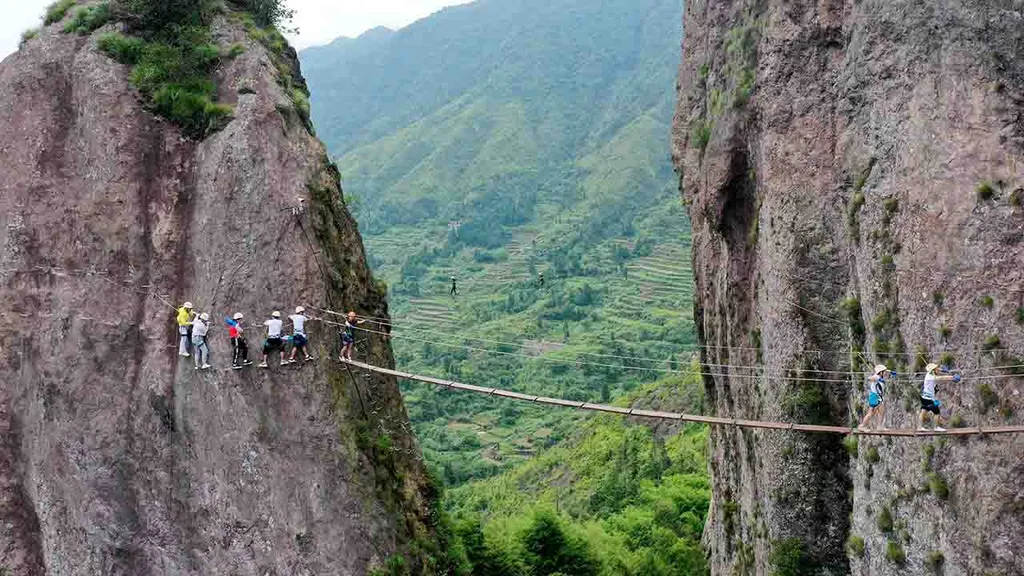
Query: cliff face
116, 456
855, 175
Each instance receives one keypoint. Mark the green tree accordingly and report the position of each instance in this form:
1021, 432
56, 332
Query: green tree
550, 550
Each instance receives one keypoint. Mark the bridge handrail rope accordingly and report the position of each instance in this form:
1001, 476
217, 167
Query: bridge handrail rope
656, 414
105, 277
632, 368
405, 327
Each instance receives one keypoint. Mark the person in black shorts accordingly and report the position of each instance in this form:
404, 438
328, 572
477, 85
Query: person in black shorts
274, 342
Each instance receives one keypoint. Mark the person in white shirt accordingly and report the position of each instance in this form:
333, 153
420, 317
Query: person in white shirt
200, 326
299, 340
273, 343
929, 403
876, 398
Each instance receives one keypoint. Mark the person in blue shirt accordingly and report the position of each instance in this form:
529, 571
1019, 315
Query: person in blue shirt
876, 398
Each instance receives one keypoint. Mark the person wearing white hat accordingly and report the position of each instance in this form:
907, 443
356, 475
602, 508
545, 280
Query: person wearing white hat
929, 403
274, 342
239, 347
184, 318
876, 398
200, 326
299, 340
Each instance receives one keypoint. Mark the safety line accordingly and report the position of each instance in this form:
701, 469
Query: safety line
570, 362
522, 345
407, 324
713, 420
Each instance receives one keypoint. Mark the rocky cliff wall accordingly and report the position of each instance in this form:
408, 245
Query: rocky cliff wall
116, 456
855, 175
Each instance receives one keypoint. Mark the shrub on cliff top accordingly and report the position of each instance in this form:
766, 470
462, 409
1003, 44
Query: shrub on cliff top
173, 78
55, 12
855, 544
27, 35
88, 18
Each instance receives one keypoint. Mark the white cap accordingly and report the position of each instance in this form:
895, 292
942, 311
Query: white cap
187, 305
299, 309
238, 316
275, 314
879, 368
930, 367
204, 316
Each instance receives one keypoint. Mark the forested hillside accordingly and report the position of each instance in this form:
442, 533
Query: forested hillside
494, 142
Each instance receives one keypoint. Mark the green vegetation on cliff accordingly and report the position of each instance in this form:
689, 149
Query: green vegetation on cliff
171, 50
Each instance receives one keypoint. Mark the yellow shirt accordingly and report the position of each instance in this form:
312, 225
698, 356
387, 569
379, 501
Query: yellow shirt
184, 316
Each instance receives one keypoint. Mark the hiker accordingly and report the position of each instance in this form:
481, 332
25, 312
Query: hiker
454, 291
348, 336
929, 403
239, 347
200, 326
273, 343
876, 398
540, 279
184, 328
299, 340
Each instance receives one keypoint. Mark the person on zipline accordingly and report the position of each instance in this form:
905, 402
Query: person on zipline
239, 347
348, 336
184, 318
454, 291
876, 398
929, 403
200, 326
274, 342
299, 340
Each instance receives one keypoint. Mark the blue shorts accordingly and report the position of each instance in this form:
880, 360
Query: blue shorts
346, 339
299, 340
874, 399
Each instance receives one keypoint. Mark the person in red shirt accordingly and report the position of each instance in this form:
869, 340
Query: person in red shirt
239, 347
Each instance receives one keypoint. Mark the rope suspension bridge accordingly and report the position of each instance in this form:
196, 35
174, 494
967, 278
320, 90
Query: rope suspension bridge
386, 324
713, 420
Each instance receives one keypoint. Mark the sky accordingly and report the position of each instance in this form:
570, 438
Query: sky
318, 21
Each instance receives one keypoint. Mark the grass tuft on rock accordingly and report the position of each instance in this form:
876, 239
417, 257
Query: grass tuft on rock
855, 544
894, 553
985, 191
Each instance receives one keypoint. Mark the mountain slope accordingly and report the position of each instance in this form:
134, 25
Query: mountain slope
497, 141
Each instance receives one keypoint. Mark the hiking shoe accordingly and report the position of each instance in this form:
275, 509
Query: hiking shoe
247, 363
863, 428
263, 365
308, 358
184, 354
236, 367
940, 429
207, 366
922, 429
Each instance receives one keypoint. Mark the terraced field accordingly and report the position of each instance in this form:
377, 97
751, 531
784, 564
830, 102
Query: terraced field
634, 299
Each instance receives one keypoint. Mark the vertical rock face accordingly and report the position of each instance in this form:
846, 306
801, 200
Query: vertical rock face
116, 455
855, 176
